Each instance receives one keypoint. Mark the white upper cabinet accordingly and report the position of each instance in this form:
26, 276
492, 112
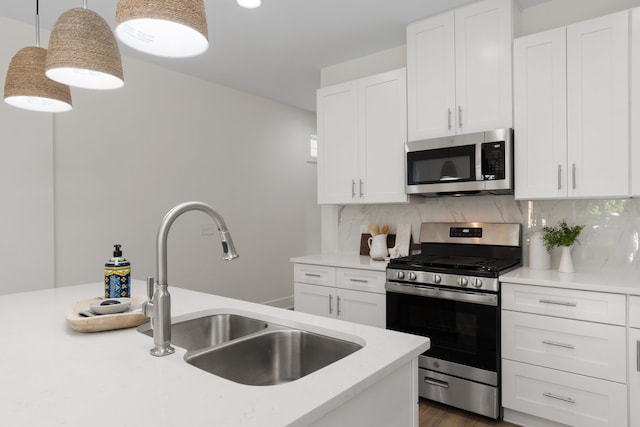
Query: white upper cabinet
540, 115
361, 134
459, 71
571, 90
337, 142
635, 103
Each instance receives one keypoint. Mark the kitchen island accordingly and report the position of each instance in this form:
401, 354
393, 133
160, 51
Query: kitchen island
52, 375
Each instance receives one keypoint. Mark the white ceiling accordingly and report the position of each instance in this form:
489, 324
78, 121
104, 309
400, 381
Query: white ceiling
277, 50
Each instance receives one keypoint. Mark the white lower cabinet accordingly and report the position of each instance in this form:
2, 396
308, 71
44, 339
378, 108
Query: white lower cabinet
634, 361
563, 397
348, 294
563, 357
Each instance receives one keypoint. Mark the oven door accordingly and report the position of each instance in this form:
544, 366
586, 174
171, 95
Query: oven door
464, 327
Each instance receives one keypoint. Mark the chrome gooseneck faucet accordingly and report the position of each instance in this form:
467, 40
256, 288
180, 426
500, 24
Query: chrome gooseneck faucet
159, 306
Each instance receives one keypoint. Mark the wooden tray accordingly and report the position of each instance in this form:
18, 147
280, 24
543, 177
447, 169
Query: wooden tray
105, 322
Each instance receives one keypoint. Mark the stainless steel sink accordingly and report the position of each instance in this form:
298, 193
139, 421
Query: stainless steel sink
208, 330
272, 357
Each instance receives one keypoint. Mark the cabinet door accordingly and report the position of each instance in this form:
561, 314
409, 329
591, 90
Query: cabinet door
540, 110
598, 106
483, 37
635, 101
314, 299
337, 143
431, 77
362, 307
634, 377
383, 132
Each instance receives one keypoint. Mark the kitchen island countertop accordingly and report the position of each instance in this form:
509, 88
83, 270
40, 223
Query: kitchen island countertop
54, 376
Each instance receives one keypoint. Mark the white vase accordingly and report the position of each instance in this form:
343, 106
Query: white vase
566, 263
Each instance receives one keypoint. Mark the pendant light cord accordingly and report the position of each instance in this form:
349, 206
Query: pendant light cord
37, 24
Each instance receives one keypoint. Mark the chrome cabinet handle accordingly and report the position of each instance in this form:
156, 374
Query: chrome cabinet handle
436, 382
559, 177
573, 175
638, 356
565, 303
353, 188
361, 188
359, 280
338, 305
555, 396
558, 344
460, 116
311, 275
330, 304
449, 118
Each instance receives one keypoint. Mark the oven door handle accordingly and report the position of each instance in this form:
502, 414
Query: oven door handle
439, 293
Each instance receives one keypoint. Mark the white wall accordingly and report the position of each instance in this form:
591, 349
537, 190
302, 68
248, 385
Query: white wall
26, 183
123, 158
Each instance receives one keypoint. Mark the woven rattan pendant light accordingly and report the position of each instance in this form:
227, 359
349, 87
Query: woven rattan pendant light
83, 51
169, 28
26, 85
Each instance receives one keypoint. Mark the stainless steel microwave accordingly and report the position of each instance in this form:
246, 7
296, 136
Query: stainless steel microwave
474, 163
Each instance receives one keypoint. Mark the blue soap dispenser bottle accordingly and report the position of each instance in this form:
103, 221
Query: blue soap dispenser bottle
117, 276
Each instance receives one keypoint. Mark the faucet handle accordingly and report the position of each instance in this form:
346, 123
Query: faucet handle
150, 288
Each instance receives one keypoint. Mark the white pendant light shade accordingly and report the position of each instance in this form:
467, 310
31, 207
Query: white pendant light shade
83, 52
169, 28
26, 85
249, 4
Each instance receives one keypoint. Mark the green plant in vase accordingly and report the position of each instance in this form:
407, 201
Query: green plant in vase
562, 236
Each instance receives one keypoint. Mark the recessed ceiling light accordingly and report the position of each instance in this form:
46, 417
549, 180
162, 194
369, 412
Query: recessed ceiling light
249, 4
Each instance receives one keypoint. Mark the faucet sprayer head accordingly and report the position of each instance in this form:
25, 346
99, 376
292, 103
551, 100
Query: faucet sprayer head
227, 246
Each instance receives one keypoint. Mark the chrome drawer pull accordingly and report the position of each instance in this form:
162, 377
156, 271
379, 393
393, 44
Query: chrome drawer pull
555, 396
435, 382
311, 275
550, 301
338, 305
359, 280
558, 344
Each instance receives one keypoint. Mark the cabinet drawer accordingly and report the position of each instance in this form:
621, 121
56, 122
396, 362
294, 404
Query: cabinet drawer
314, 274
563, 397
569, 303
580, 347
634, 312
361, 280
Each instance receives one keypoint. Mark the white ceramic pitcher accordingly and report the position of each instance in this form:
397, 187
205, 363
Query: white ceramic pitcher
378, 247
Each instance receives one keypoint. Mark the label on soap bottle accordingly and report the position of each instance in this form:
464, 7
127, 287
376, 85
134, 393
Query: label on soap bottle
117, 280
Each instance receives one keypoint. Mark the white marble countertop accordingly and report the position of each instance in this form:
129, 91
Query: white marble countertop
620, 282
345, 261
52, 375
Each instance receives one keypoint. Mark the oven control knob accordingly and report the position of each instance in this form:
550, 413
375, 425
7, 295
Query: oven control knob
400, 275
477, 283
437, 278
463, 281
412, 276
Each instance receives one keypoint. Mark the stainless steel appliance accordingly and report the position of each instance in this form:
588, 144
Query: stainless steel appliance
450, 293
463, 164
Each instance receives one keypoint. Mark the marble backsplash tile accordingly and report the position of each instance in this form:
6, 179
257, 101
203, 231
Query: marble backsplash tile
610, 240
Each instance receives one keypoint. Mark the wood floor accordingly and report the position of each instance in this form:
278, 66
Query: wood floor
434, 414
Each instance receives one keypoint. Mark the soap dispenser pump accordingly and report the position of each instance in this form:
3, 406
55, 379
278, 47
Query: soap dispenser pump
117, 276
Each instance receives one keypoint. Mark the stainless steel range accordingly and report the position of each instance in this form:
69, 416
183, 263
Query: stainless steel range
450, 293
